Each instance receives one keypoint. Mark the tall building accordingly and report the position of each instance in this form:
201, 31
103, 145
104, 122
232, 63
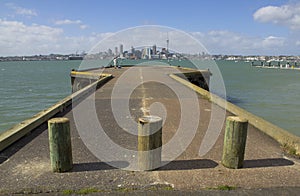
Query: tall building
109, 51
132, 50
146, 53
121, 50
116, 51
154, 50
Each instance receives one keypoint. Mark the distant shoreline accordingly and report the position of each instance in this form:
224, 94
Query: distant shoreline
62, 57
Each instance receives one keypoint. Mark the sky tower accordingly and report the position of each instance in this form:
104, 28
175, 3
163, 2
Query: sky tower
167, 42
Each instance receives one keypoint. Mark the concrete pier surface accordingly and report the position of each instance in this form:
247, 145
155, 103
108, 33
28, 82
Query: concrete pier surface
25, 166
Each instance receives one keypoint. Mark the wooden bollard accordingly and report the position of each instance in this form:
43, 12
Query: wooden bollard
149, 142
234, 142
60, 144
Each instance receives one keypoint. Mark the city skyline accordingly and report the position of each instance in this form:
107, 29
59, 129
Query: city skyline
259, 27
153, 52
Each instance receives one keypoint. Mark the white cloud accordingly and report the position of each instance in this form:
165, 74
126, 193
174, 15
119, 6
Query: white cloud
71, 22
226, 42
215, 42
83, 26
21, 11
17, 38
272, 41
67, 22
287, 15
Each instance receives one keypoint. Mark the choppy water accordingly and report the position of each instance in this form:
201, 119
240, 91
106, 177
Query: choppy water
273, 94
29, 87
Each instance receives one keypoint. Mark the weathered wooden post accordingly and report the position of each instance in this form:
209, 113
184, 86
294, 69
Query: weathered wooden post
234, 142
149, 142
60, 144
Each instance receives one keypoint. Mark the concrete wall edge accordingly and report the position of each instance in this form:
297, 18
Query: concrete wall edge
287, 140
23, 128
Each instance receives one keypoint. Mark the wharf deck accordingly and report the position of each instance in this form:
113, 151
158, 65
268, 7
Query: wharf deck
25, 166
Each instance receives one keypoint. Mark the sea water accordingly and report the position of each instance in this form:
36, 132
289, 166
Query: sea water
28, 87
273, 94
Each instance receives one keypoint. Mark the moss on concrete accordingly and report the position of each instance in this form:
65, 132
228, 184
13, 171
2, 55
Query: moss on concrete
83, 191
290, 150
223, 188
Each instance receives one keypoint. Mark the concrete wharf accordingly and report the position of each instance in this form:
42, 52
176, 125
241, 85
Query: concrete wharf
25, 164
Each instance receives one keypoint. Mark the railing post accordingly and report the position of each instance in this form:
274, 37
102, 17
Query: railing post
60, 144
149, 142
234, 142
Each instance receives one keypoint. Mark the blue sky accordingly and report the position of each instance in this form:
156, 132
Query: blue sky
251, 27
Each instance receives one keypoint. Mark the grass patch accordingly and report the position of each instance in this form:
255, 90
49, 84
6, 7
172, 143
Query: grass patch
68, 192
168, 188
291, 150
84, 191
223, 188
125, 189
155, 187
87, 191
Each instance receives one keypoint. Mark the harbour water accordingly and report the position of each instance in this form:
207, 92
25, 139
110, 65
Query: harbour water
273, 94
29, 87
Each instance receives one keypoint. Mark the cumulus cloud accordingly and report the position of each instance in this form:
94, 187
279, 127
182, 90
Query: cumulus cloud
17, 38
71, 22
67, 22
287, 15
213, 42
272, 41
226, 42
21, 11
83, 26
